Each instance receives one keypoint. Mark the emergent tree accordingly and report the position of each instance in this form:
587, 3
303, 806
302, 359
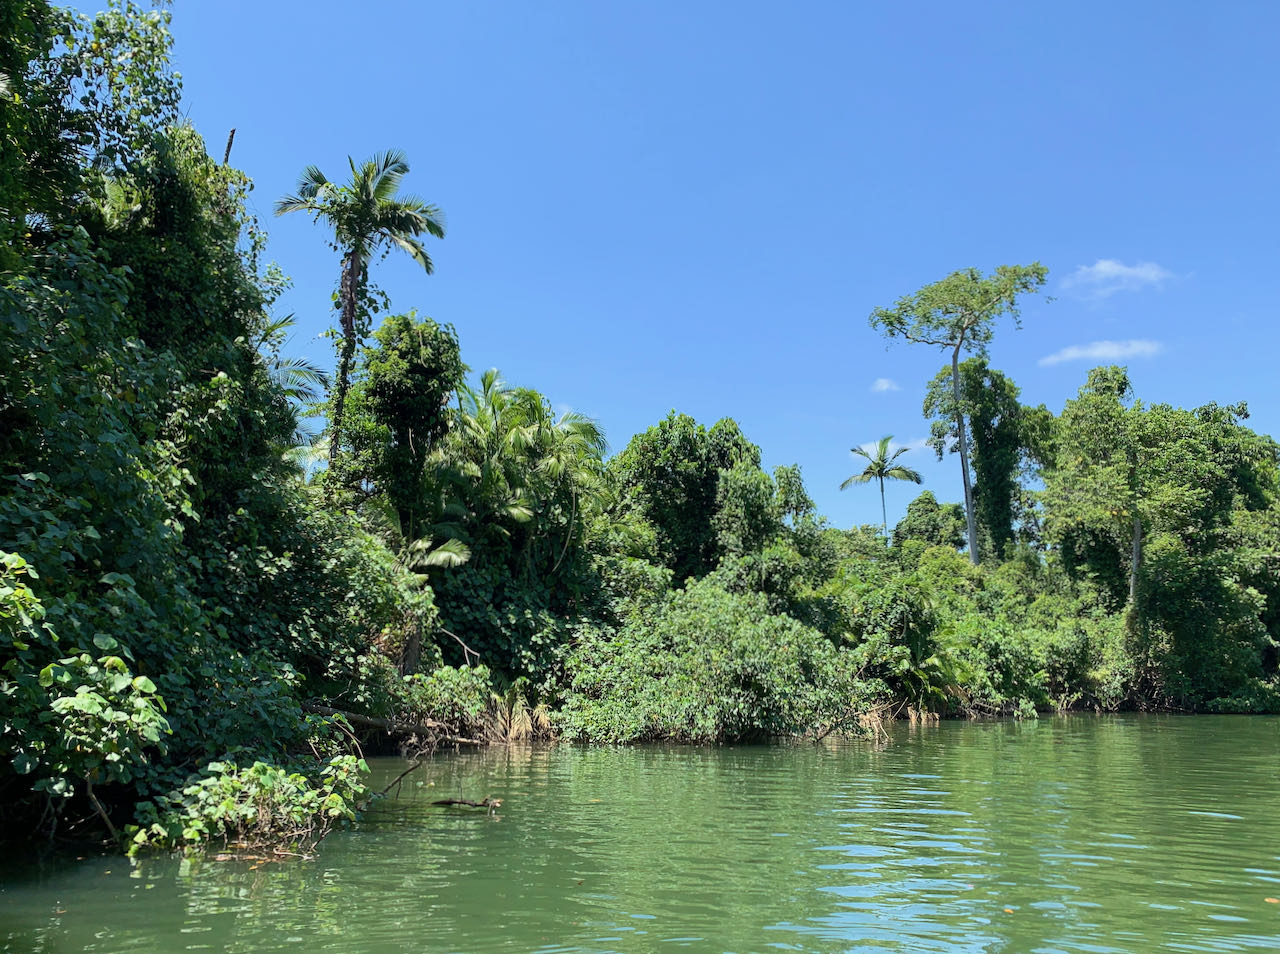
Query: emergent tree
959, 313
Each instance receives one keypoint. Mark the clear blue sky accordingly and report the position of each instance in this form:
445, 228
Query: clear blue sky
696, 205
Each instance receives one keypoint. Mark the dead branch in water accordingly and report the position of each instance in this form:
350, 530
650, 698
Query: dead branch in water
492, 804
398, 779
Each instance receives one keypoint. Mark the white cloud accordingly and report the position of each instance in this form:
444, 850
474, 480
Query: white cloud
919, 443
885, 384
1107, 276
1105, 351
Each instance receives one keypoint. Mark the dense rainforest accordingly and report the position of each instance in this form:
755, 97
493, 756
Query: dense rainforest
205, 608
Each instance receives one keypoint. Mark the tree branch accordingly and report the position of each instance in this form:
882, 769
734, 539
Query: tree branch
430, 728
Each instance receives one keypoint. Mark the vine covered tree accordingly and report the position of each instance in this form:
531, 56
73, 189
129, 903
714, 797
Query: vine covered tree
959, 313
989, 401
368, 219
937, 525
880, 465
398, 413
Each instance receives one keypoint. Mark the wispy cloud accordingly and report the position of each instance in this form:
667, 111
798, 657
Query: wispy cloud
919, 443
1105, 351
1107, 276
885, 384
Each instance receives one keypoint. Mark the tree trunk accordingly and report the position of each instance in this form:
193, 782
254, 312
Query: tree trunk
970, 522
349, 292
884, 516
429, 729
1136, 558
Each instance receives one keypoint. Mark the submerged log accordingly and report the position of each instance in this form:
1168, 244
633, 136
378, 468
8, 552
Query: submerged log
493, 804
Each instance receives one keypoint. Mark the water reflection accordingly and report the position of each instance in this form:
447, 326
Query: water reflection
1076, 834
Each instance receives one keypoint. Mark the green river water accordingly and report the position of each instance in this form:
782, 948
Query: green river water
1063, 834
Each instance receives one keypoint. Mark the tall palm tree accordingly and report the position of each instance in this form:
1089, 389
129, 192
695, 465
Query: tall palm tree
368, 219
880, 466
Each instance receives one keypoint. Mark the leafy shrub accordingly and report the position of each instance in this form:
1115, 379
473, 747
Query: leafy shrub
775, 572
258, 805
75, 718
710, 666
455, 696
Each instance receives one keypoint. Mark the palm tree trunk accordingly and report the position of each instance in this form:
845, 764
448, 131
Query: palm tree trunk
884, 514
349, 292
970, 522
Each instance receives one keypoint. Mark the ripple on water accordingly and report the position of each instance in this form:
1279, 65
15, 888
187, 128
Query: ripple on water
1076, 834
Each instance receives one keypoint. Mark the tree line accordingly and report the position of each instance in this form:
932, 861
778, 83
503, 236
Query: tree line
201, 606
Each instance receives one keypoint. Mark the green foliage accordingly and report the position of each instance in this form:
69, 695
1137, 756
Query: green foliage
931, 523
671, 475
516, 487
251, 806
746, 515
174, 593
76, 719
959, 314
514, 623
630, 585
190, 593
1143, 502
84, 98
776, 572
710, 666
454, 696
897, 638
398, 414
960, 310
989, 401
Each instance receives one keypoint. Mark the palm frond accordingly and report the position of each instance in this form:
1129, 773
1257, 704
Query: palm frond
520, 510
409, 213
294, 203
415, 250
275, 328
385, 172
312, 190
299, 379
383, 517
423, 553
880, 464
904, 473
312, 182
307, 456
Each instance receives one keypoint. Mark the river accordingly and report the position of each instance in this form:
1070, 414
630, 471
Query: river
1077, 833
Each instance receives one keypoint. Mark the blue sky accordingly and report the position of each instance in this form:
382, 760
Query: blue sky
695, 206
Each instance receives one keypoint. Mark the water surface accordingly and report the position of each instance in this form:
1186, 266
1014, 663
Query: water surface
1064, 834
